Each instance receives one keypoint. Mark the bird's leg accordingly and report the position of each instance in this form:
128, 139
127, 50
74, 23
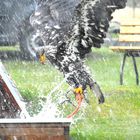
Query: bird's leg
78, 94
79, 97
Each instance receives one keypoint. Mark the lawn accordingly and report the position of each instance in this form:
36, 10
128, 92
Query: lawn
118, 118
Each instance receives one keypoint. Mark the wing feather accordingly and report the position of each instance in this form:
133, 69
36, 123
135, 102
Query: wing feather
92, 22
82, 23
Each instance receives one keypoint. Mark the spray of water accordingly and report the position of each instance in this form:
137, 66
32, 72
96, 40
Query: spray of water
59, 102
50, 108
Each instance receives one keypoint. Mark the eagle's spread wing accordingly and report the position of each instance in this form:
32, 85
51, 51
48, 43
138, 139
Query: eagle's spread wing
92, 23
69, 28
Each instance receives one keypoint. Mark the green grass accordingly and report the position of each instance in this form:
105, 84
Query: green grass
117, 119
10, 48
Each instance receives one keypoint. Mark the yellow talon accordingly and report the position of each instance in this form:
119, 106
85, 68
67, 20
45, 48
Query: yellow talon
79, 97
78, 90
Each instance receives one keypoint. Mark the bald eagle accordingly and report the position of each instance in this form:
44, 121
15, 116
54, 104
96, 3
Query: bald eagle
69, 29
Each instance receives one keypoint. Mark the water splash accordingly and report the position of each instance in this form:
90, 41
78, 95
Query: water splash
57, 106
51, 107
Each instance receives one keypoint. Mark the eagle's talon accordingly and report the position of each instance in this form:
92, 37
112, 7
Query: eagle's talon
79, 97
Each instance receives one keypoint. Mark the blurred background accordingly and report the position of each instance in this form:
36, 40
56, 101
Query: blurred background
118, 118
